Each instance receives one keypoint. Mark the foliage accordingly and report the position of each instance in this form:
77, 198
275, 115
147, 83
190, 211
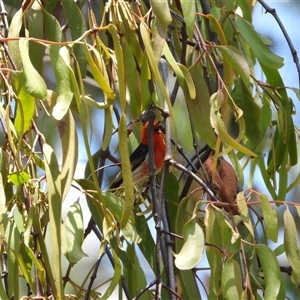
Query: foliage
199, 210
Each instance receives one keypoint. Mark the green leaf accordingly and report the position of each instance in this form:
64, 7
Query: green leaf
217, 123
186, 277
232, 280
126, 171
158, 39
36, 50
69, 141
102, 80
182, 73
14, 32
274, 289
34, 84
72, 234
77, 27
230, 238
44, 251
286, 138
147, 246
291, 246
251, 112
134, 272
61, 70
155, 70
108, 128
244, 211
279, 250
116, 277
54, 196
237, 62
60, 59
189, 14
3, 179
199, 108
162, 11
19, 178
214, 256
25, 111
260, 50
191, 252
12, 238
270, 218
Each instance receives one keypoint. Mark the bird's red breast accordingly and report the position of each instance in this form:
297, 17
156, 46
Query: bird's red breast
139, 158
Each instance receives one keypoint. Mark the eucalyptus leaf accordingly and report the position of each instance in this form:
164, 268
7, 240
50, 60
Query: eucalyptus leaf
260, 50
34, 84
191, 252
290, 244
72, 234
270, 218
275, 288
162, 11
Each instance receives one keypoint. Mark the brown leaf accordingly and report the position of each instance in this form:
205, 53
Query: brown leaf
224, 179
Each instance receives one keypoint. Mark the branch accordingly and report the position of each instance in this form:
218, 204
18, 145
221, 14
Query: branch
272, 11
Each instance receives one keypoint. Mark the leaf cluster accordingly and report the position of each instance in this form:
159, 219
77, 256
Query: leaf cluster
197, 206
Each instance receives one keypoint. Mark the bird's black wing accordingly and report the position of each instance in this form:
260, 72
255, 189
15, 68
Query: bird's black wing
136, 159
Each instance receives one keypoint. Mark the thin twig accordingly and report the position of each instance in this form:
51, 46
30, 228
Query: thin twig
272, 11
196, 178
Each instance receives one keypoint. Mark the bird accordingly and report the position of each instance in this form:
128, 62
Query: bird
139, 159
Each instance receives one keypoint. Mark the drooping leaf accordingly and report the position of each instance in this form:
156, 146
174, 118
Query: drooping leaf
36, 50
274, 288
191, 252
101, 80
69, 141
251, 111
12, 238
3, 179
290, 245
260, 50
133, 82
232, 280
189, 14
14, 31
134, 271
72, 234
155, 70
185, 276
77, 27
60, 67
270, 218
25, 111
199, 107
34, 84
120, 70
126, 172
244, 212
60, 59
214, 256
54, 195
219, 127
231, 239
116, 277
162, 11
237, 61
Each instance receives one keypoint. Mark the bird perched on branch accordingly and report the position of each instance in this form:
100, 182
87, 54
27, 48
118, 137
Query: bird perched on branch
139, 159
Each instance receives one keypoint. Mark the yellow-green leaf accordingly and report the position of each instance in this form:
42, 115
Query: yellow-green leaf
162, 11
290, 245
34, 84
126, 171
